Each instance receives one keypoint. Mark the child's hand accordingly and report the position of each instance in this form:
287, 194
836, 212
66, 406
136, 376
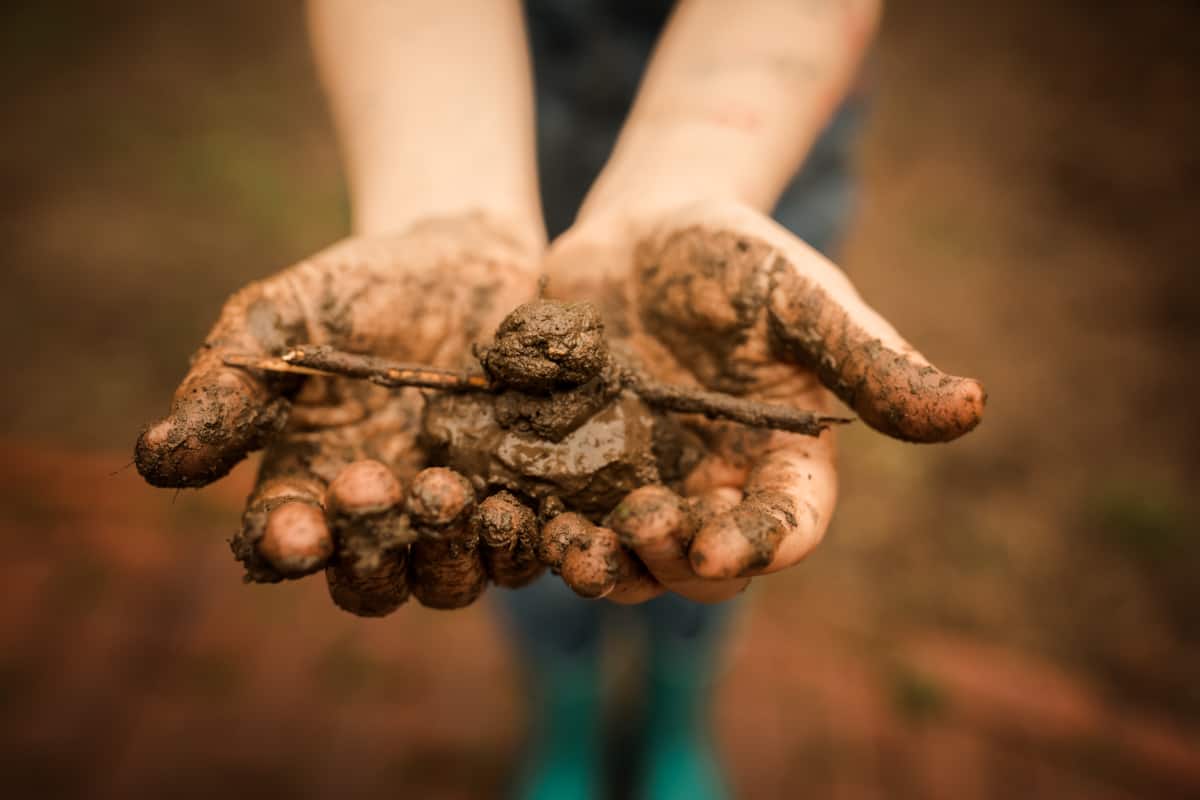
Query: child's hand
424, 296
721, 296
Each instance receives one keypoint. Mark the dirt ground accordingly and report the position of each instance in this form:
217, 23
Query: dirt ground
1017, 614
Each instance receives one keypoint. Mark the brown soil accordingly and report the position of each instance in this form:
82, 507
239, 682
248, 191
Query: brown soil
589, 470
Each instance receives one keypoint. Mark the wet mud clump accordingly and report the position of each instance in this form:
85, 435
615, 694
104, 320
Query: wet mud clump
564, 425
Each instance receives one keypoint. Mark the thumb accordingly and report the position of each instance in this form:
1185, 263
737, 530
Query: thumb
221, 413
859, 356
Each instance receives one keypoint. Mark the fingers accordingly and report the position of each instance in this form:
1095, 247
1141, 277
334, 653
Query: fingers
354, 529
861, 358
658, 526
220, 413
364, 509
296, 540
284, 533
714, 277
508, 529
446, 570
593, 563
789, 499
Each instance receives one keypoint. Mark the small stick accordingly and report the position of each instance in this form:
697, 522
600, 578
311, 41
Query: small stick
320, 360
687, 400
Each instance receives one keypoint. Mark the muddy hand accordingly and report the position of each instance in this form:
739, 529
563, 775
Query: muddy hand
338, 453
721, 296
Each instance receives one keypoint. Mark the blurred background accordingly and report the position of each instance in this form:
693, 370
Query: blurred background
1017, 614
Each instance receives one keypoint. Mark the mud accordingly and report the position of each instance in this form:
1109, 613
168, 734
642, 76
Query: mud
270, 554
552, 417
296, 541
729, 305
508, 530
892, 392
375, 593
590, 562
446, 569
368, 576
365, 516
559, 535
710, 504
677, 449
589, 470
219, 414
595, 564
544, 346
702, 295
763, 519
210, 428
650, 513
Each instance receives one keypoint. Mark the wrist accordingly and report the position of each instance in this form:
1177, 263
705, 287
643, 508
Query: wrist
674, 166
381, 215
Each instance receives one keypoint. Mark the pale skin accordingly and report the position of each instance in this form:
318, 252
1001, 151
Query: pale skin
433, 105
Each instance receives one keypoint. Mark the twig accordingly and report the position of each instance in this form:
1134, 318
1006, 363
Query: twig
718, 405
320, 360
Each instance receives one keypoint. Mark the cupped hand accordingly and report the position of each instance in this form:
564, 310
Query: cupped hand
341, 455
720, 296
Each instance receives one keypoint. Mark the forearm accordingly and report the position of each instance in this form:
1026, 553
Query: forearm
434, 109
734, 97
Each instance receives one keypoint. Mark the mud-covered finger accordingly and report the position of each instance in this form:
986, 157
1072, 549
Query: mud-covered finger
446, 569
364, 508
507, 530
719, 283
595, 565
283, 533
860, 357
369, 577
789, 499
372, 593
635, 583
220, 413
658, 525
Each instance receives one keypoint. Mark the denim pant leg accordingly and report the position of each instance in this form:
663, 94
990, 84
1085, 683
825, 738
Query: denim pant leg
818, 203
547, 620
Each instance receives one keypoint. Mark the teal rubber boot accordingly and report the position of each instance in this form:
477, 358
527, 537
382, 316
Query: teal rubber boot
679, 759
565, 756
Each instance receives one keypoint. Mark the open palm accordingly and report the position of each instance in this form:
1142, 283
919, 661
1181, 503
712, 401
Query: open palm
338, 452
722, 297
